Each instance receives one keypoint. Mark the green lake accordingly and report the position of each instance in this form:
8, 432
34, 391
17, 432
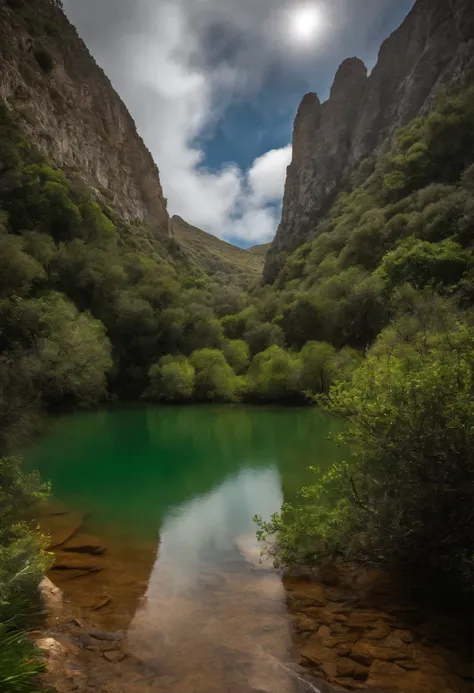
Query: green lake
171, 492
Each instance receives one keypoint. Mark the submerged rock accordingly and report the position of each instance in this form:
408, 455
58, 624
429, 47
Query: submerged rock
84, 543
100, 603
63, 528
113, 655
65, 562
105, 635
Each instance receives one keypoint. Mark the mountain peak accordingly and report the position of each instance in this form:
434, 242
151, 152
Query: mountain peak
351, 73
431, 49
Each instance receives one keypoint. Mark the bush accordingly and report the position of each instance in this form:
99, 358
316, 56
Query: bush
71, 354
215, 379
274, 375
237, 354
317, 367
171, 380
22, 563
404, 498
421, 263
261, 335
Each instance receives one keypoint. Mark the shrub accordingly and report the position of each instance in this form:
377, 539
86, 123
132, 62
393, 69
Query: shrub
20, 662
22, 563
273, 375
237, 354
215, 379
171, 380
404, 498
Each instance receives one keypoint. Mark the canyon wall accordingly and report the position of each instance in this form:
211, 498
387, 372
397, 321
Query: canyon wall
431, 49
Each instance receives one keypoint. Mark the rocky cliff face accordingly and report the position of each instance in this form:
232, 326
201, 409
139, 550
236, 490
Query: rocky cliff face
68, 108
433, 46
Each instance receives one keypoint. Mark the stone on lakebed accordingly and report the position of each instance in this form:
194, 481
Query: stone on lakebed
84, 543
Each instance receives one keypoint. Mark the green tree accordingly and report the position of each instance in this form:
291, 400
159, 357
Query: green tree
71, 353
273, 375
421, 263
302, 320
215, 379
317, 367
237, 354
404, 498
172, 379
203, 329
262, 335
19, 272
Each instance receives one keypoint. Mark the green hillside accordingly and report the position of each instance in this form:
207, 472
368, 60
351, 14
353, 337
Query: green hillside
259, 250
224, 262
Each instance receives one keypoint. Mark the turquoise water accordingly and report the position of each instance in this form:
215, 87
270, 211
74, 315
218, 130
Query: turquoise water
134, 468
171, 493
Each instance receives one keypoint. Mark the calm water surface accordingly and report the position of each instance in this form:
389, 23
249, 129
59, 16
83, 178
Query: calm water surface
172, 492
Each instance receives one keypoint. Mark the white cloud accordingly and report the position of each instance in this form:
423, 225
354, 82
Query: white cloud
173, 99
229, 203
268, 173
170, 62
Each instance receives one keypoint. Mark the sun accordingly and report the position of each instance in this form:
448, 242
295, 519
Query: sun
305, 22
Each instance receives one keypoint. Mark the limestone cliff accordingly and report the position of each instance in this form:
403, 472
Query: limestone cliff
68, 108
433, 46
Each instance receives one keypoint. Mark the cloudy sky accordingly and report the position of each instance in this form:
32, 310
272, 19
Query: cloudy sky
214, 85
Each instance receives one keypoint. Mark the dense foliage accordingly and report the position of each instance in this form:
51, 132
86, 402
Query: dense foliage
374, 313
404, 496
90, 307
392, 268
22, 563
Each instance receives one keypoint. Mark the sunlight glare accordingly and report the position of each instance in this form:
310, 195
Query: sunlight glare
305, 21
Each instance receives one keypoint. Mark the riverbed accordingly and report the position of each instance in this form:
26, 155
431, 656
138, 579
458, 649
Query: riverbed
163, 585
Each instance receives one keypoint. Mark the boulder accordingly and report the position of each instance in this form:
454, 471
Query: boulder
388, 676
378, 631
51, 596
347, 667
350, 684
317, 653
365, 653
50, 648
305, 624
307, 592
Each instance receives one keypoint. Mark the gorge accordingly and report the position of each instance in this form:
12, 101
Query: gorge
165, 381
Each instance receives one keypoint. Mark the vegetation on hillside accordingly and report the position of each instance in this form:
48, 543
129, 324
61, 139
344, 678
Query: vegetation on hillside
223, 262
372, 318
260, 250
392, 268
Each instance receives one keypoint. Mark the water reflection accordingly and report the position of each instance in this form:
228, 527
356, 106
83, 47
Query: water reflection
210, 617
129, 467
213, 618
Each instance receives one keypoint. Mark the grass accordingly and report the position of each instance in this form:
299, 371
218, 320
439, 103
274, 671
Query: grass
259, 250
20, 663
224, 262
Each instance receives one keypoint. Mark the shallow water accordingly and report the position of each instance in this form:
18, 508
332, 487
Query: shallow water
171, 493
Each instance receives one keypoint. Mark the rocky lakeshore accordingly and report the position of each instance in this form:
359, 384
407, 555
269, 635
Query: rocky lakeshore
351, 630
